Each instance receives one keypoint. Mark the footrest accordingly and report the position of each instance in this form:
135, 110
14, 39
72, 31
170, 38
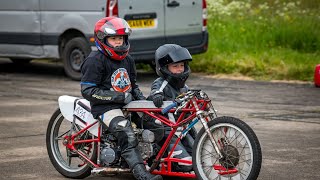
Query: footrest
223, 171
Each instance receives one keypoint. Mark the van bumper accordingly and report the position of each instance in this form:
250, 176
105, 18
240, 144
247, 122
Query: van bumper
148, 56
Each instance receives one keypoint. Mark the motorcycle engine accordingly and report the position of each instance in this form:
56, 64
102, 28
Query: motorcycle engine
110, 155
146, 146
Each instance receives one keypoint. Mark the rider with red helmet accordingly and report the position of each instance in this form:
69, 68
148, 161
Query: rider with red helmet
109, 82
112, 27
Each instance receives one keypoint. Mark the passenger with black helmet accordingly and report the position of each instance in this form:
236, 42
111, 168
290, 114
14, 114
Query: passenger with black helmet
109, 82
173, 68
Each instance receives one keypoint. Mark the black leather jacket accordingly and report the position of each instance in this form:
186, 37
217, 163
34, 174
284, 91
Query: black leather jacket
105, 81
169, 92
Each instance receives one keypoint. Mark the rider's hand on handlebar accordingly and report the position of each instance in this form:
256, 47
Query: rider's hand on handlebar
157, 99
127, 98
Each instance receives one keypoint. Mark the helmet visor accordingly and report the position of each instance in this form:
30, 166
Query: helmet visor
114, 27
181, 54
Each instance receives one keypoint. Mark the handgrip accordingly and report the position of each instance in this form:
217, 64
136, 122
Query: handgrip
170, 106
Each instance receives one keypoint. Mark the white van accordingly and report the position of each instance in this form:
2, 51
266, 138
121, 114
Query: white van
63, 29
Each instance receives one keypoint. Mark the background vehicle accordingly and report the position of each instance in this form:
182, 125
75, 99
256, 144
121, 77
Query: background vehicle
63, 29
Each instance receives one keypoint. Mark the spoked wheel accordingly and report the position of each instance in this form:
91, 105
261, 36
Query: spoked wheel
239, 147
67, 162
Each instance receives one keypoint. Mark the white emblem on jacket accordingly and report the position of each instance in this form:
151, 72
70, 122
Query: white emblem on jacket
120, 80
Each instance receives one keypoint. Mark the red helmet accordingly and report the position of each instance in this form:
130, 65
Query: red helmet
112, 26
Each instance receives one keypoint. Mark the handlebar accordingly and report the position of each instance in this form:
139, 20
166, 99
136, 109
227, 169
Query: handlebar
170, 106
183, 98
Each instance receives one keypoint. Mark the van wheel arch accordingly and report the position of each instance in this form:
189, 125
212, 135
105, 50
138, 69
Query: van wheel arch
74, 50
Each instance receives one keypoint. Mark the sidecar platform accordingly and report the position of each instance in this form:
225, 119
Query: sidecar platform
145, 104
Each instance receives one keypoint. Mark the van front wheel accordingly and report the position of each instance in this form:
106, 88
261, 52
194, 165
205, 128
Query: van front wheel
74, 53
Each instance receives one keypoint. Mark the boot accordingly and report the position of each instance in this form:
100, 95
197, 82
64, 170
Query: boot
181, 153
140, 173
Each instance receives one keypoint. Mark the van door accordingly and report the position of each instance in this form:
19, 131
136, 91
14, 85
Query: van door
20, 29
183, 22
146, 19
64, 20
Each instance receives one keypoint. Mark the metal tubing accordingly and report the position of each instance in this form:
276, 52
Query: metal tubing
205, 125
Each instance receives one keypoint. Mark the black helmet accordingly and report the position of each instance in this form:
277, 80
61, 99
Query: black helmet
172, 53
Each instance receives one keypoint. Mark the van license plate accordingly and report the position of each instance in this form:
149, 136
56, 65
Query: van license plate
141, 23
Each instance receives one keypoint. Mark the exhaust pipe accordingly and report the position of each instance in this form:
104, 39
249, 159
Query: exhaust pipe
109, 171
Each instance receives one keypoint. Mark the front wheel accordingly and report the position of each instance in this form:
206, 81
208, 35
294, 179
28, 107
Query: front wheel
239, 147
67, 162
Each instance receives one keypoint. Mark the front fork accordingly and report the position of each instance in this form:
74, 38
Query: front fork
200, 115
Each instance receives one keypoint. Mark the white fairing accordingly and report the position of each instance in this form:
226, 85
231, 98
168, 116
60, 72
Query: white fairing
66, 105
70, 109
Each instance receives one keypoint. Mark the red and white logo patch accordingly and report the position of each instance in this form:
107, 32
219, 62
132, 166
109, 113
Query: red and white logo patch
120, 80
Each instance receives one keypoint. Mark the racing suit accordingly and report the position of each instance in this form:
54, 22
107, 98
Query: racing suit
184, 147
105, 83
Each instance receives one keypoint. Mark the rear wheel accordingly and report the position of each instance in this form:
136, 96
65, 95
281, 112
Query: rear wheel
67, 162
239, 146
74, 53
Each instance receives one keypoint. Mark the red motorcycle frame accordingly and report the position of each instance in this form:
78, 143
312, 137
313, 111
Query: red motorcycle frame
193, 107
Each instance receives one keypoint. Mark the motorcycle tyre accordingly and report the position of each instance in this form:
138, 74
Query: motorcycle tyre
253, 140
84, 172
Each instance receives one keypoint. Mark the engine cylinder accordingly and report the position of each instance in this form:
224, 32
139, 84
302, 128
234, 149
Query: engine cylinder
147, 136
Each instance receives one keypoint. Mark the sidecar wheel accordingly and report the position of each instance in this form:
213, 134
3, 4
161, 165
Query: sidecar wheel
239, 146
66, 162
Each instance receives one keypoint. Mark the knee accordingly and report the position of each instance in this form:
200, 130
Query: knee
118, 124
123, 129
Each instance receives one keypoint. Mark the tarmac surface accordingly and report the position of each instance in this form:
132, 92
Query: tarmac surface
285, 117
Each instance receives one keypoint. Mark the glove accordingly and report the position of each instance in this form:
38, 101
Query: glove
137, 93
158, 99
127, 98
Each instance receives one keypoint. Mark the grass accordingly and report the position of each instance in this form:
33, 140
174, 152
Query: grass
265, 40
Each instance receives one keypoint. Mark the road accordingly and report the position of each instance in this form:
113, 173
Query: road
285, 117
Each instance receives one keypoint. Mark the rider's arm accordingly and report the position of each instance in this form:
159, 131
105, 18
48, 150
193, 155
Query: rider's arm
92, 72
155, 87
93, 93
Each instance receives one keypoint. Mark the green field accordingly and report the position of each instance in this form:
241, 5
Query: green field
262, 39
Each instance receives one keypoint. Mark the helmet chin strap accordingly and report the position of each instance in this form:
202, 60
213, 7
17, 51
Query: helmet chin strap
177, 80
100, 48
109, 53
